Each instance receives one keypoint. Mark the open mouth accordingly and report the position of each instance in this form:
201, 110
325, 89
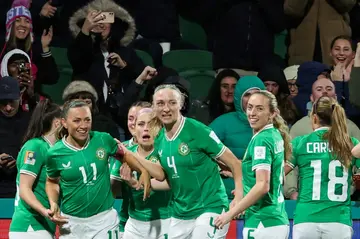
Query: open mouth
146, 137
253, 121
341, 59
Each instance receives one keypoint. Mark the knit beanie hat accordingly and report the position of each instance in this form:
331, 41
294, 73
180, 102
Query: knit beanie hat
19, 9
79, 86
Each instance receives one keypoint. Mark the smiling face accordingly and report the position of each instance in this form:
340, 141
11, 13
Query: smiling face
258, 112
78, 123
341, 52
21, 27
142, 129
167, 105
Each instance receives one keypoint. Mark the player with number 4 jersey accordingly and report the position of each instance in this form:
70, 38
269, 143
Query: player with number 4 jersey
325, 163
263, 172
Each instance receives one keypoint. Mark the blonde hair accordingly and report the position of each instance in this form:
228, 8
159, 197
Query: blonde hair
62, 131
171, 87
155, 124
12, 40
330, 113
278, 122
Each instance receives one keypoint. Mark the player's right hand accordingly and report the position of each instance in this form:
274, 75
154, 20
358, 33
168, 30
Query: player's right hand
55, 216
145, 182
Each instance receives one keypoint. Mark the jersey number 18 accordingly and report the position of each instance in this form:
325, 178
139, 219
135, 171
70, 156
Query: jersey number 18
333, 180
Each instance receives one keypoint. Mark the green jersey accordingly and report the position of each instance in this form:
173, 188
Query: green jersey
188, 159
31, 161
265, 151
115, 175
324, 190
84, 174
155, 207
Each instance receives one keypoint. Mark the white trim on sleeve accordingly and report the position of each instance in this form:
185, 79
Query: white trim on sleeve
23, 171
116, 178
222, 151
263, 166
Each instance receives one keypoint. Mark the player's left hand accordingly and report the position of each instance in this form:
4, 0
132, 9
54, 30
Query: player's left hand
55, 215
144, 181
222, 220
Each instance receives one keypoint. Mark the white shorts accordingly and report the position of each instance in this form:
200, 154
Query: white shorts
121, 235
104, 225
157, 229
276, 232
201, 227
322, 231
42, 234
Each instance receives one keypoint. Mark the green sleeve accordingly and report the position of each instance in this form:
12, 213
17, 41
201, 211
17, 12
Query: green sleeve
294, 144
33, 158
110, 142
357, 161
218, 127
115, 171
261, 153
52, 168
208, 141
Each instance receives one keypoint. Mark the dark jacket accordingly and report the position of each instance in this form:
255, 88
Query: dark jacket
87, 60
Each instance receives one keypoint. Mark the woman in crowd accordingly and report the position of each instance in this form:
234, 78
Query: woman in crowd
31, 218
325, 163
263, 172
189, 153
78, 166
149, 219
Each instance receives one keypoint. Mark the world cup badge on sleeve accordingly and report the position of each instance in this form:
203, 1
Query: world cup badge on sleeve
29, 158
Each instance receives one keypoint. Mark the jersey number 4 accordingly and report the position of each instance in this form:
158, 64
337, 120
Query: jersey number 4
333, 181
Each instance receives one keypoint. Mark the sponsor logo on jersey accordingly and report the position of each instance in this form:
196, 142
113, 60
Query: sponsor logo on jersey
29, 158
66, 166
184, 149
153, 159
259, 152
214, 137
100, 153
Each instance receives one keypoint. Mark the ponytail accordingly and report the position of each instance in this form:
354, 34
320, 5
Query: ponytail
339, 140
280, 124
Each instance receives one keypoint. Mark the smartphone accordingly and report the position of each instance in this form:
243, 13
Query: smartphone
24, 68
109, 17
7, 158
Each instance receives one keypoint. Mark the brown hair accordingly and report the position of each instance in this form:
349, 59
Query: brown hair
62, 131
278, 122
330, 113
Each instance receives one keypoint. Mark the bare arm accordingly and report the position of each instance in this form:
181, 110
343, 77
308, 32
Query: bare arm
52, 189
235, 165
356, 151
27, 194
160, 186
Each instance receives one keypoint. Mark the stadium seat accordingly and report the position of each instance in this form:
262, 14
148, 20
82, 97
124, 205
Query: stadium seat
185, 60
145, 57
55, 91
60, 56
193, 33
200, 83
280, 44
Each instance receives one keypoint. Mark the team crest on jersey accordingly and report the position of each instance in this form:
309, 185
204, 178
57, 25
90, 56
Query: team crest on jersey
100, 153
29, 158
184, 149
153, 159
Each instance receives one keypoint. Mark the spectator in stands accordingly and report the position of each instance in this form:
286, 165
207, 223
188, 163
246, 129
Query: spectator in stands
275, 82
82, 90
233, 128
19, 35
291, 73
98, 54
354, 83
16, 63
221, 95
314, 23
13, 124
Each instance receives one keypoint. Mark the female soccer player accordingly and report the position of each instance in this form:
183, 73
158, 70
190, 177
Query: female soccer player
78, 167
31, 218
149, 219
117, 185
263, 171
188, 153
325, 167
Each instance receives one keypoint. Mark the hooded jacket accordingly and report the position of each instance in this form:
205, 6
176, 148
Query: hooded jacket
87, 59
233, 128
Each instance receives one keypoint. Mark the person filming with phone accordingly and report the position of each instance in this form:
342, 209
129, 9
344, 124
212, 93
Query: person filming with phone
99, 54
13, 124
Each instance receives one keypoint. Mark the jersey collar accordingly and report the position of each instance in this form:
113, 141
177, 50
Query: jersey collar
268, 126
46, 140
178, 131
74, 148
321, 128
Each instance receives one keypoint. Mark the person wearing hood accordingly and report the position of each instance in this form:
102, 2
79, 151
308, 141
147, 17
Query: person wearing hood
19, 35
99, 54
276, 83
82, 90
233, 128
16, 63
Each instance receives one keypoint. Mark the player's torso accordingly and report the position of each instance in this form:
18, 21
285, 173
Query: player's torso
324, 184
85, 178
270, 209
193, 175
156, 206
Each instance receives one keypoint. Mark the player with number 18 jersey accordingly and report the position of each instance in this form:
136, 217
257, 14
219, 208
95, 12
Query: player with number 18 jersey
324, 194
